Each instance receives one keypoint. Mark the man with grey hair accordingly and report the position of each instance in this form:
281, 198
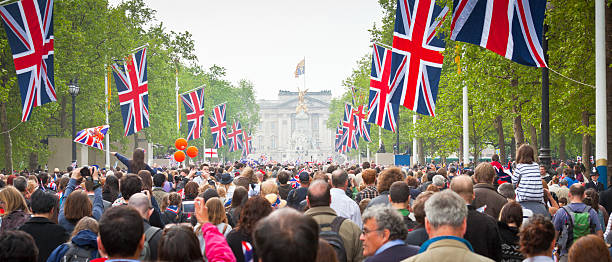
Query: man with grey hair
383, 235
142, 203
439, 181
343, 205
445, 222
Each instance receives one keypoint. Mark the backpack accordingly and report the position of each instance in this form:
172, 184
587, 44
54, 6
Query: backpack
145, 254
577, 225
78, 254
333, 237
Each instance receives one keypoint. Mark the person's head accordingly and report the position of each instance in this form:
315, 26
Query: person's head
138, 160
147, 180
159, 179
542, 170
17, 246
562, 201
86, 223
591, 198
253, 210
576, 192
495, 157
174, 199
321, 176
365, 165
179, 243
446, 214
20, 183
249, 173
142, 204
339, 178
368, 176
381, 224
121, 232
568, 172
63, 183
511, 213
564, 183
43, 203
363, 204
216, 212
268, 187
399, 192
283, 177
286, 229
463, 186
484, 173
507, 190
191, 190
325, 252
240, 196
130, 184
525, 154
439, 181
418, 206
11, 200
242, 182
318, 194
387, 177
537, 237
589, 248
411, 181
77, 205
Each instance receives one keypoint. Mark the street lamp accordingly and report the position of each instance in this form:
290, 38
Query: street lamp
73, 89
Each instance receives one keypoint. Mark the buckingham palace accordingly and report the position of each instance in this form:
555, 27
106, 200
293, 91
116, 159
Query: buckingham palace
294, 127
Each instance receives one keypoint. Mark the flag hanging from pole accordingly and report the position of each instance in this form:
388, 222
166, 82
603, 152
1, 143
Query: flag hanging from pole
300, 69
92, 137
194, 108
380, 110
235, 137
218, 125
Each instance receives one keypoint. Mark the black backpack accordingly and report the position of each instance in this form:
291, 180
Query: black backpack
333, 237
78, 254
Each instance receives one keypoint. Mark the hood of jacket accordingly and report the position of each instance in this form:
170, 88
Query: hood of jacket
86, 238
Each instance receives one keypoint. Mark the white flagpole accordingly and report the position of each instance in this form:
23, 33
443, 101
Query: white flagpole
601, 135
304, 72
176, 89
106, 139
415, 158
466, 129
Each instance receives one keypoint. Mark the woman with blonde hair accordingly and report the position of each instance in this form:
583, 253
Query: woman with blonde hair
16, 211
83, 238
217, 217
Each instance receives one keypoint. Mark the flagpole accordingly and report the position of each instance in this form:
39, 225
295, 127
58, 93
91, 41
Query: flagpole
466, 129
176, 89
192, 90
601, 135
304, 72
414, 141
106, 138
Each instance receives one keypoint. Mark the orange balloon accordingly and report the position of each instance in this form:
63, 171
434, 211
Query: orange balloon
179, 156
180, 144
192, 151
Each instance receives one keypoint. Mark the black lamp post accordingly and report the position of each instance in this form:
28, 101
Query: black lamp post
73, 89
545, 157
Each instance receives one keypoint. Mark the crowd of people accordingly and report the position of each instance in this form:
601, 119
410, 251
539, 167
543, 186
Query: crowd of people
308, 212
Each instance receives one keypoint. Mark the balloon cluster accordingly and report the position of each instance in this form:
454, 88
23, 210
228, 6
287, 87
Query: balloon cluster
181, 144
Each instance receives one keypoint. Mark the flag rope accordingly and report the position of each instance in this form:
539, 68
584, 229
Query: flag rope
192, 90
8, 131
576, 81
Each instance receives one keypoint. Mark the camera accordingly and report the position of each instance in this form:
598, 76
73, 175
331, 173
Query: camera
85, 171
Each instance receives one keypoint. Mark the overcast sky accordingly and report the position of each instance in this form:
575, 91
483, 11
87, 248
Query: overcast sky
263, 41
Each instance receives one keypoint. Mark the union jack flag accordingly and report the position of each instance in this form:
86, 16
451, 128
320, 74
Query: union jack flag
247, 143
29, 29
416, 61
350, 139
247, 251
338, 142
235, 137
132, 86
92, 137
380, 111
510, 28
218, 125
194, 108
363, 128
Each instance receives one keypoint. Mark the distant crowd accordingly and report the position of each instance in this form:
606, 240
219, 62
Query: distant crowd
522, 211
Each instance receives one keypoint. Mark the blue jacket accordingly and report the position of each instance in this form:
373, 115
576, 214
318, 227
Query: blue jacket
98, 206
126, 162
84, 238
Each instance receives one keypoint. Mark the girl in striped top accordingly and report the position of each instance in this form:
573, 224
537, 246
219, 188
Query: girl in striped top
526, 176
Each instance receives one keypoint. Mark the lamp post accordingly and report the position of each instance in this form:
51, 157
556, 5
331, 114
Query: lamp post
73, 89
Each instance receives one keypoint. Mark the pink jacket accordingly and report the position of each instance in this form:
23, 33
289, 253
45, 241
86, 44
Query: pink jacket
217, 248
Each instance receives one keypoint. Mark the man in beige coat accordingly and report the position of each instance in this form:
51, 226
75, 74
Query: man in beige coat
445, 222
319, 199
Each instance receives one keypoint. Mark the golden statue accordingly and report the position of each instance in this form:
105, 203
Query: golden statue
301, 104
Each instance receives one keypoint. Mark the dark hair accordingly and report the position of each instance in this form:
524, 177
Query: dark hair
320, 198
536, 236
174, 199
253, 210
63, 183
576, 190
76, 206
331, 169
365, 165
240, 196
137, 162
418, 207
592, 198
399, 192
512, 212
145, 178
130, 184
387, 177
21, 183
368, 176
119, 174
484, 173
411, 181
589, 248
563, 200
242, 182
17, 246
283, 177
42, 202
43, 178
159, 179
111, 186
179, 243
283, 230
525, 154
339, 177
495, 157
191, 190
568, 172
121, 230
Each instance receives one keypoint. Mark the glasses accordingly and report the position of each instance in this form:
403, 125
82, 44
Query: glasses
365, 231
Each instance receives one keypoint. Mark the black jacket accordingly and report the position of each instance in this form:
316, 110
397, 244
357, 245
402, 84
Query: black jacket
154, 242
510, 243
483, 234
395, 253
418, 236
605, 198
46, 234
296, 196
599, 187
283, 191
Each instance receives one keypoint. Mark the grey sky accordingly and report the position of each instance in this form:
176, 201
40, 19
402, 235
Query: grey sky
263, 41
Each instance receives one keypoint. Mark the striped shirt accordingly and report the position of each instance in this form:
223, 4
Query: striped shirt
528, 182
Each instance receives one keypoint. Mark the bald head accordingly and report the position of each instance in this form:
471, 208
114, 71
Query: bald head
463, 186
142, 203
318, 194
